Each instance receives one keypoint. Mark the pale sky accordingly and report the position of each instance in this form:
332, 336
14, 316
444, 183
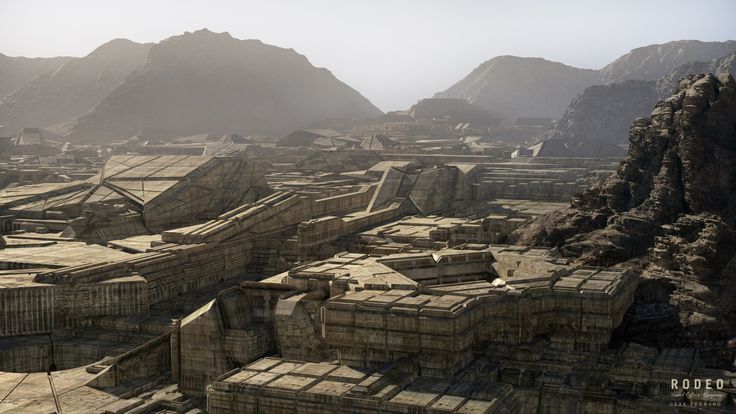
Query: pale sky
393, 52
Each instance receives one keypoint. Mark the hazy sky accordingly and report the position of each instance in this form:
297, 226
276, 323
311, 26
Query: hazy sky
393, 52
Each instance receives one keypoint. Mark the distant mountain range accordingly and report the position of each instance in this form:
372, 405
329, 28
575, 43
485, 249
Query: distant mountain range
654, 61
517, 87
211, 82
193, 83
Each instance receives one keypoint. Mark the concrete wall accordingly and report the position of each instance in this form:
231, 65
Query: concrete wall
27, 310
230, 331
37, 357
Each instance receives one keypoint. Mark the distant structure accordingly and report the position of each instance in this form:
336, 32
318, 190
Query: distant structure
378, 142
321, 138
138, 195
522, 153
451, 110
534, 122
30, 136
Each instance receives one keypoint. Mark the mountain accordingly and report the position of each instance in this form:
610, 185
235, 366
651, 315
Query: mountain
601, 114
668, 84
16, 71
654, 61
74, 88
514, 87
669, 213
211, 82
596, 123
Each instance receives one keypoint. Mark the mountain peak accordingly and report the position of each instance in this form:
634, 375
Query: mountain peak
212, 82
201, 35
206, 33
118, 47
514, 86
204, 44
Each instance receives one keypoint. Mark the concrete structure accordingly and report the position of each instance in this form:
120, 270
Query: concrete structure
139, 194
534, 339
309, 281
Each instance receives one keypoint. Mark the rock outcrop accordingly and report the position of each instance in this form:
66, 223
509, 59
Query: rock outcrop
211, 82
670, 210
73, 88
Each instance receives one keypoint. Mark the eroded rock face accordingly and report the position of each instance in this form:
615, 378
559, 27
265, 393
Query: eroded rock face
602, 114
669, 210
628, 100
679, 161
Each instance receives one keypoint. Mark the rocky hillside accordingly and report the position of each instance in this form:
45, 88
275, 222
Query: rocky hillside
74, 88
667, 85
654, 61
17, 71
602, 114
669, 211
513, 87
211, 82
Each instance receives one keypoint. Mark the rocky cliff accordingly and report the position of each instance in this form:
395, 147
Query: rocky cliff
211, 82
670, 211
